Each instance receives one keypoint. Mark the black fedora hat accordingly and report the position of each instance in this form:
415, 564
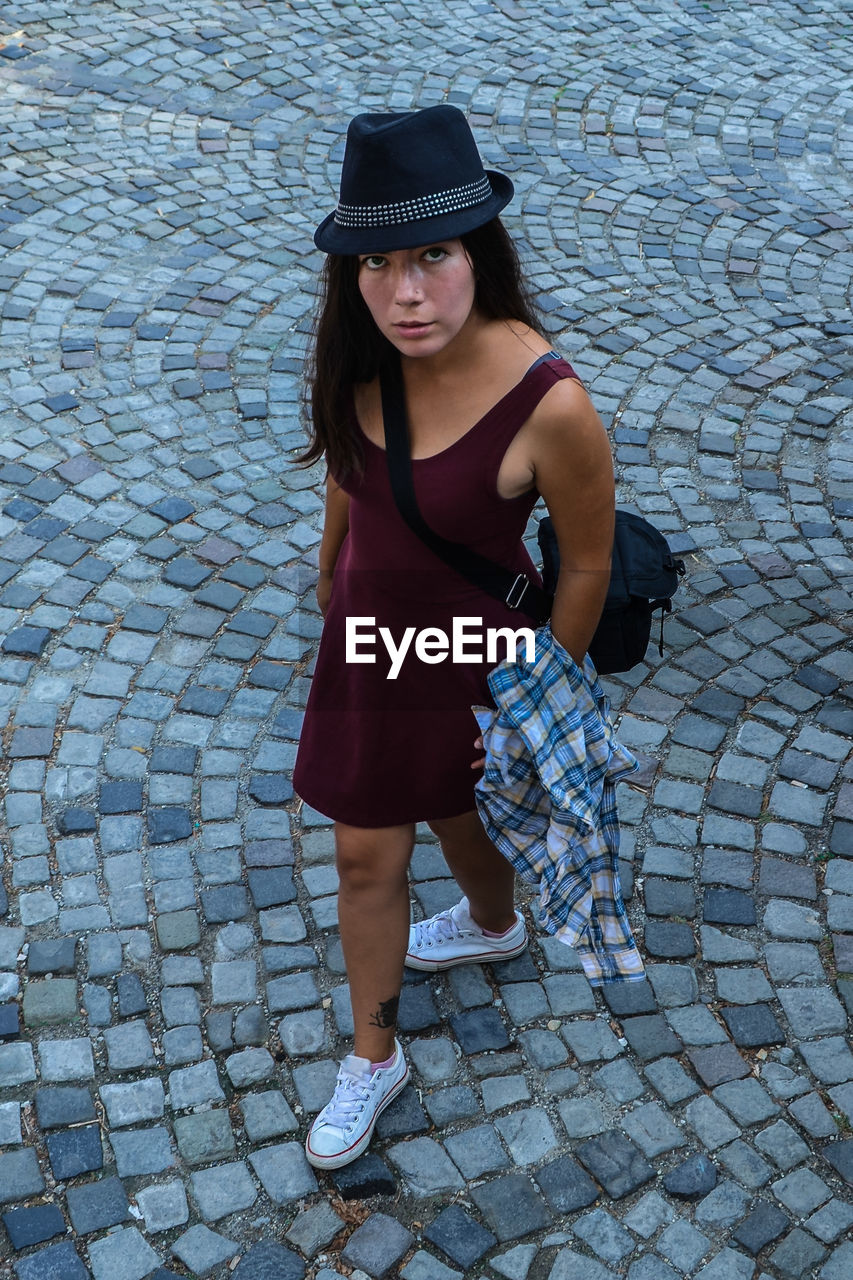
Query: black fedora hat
408, 178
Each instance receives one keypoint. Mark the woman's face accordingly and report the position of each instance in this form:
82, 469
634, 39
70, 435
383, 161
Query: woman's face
420, 299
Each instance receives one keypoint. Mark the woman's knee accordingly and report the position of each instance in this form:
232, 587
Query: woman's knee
440, 829
369, 859
464, 827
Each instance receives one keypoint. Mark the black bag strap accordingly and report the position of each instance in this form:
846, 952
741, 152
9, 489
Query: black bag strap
514, 589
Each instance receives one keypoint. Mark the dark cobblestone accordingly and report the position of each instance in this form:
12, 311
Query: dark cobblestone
63, 1105
840, 1156
692, 1179
459, 1236
799, 1254
377, 1244
717, 1064
74, 1151
55, 1261
34, 1225
616, 1163
97, 1205
728, 906
760, 1227
627, 998
269, 1261
54, 955
753, 1026
367, 1176
685, 207
650, 1037
479, 1030
565, 1185
511, 1207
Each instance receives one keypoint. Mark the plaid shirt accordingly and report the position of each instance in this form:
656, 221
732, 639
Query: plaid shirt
547, 799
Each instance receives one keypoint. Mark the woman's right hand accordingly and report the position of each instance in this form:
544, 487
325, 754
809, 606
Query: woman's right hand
324, 589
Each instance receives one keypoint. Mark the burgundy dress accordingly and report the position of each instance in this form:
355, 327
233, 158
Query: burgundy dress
379, 752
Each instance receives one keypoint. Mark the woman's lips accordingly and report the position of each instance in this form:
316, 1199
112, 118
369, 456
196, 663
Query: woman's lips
412, 329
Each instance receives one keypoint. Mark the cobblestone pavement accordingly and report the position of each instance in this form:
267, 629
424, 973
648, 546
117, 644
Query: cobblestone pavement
172, 999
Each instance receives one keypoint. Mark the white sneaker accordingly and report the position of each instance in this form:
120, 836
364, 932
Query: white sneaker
344, 1127
452, 937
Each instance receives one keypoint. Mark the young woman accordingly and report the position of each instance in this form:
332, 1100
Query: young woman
421, 271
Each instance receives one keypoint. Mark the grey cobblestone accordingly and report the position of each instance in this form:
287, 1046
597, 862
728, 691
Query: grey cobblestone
685, 201
284, 1172
123, 1252
131, 1103
223, 1190
142, 1151
718, 1063
163, 1205
204, 1249
477, 1151
192, 1086
652, 1130
434, 1060
204, 1136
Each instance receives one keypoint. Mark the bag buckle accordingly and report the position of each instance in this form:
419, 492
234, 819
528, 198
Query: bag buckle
513, 600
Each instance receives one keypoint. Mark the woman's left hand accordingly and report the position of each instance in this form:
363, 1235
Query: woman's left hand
478, 746
574, 474
324, 590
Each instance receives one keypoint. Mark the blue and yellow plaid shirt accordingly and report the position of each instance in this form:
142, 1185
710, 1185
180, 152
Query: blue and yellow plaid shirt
547, 799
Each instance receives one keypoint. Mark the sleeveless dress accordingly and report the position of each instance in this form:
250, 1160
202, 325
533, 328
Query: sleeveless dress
375, 751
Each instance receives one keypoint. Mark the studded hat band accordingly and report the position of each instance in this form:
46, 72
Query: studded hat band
408, 177
431, 206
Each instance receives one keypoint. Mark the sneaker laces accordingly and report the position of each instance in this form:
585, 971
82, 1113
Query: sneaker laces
352, 1092
439, 928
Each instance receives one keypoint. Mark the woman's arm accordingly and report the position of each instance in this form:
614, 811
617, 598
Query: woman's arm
335, 527
573, 469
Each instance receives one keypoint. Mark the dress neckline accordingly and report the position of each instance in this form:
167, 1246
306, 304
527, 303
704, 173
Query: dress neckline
499, 404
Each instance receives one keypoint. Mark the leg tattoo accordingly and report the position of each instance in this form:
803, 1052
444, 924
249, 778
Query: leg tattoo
386, 1015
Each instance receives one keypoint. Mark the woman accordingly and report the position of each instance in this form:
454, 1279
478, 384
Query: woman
421, 271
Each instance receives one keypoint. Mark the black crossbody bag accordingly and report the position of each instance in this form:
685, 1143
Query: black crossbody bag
643, 577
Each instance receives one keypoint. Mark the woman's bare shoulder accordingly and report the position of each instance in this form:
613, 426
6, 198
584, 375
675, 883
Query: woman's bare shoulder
565, 428
521, 338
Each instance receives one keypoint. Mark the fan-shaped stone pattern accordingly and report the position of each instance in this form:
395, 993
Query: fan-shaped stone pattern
683, 187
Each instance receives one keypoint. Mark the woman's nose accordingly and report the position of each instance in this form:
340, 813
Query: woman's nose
408, 285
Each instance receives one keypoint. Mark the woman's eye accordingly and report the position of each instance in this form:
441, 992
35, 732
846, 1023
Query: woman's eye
373, 261
435, 254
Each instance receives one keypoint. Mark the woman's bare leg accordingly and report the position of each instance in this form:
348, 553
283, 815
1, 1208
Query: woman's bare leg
482, 873
373, 911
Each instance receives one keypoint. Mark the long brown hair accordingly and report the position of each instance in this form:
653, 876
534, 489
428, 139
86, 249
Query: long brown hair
348, 348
